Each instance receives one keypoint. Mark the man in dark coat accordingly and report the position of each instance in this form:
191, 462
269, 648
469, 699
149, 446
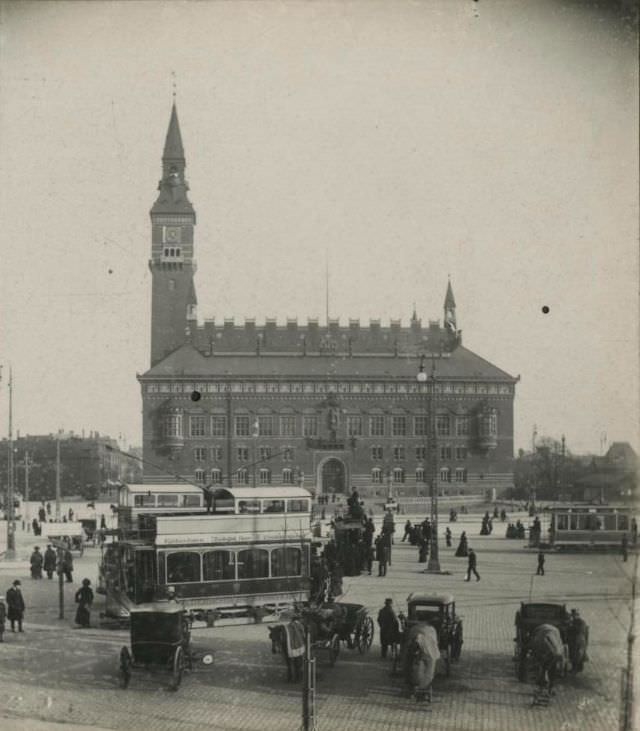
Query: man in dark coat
540, 571
84, 600
65, 560
382, 555
389, 626
36, 561
49, 561
407, 531
15, 606
471, 567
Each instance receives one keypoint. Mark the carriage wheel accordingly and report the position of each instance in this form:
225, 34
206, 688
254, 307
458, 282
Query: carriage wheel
365, 636
334, 650
177, 668
124, 671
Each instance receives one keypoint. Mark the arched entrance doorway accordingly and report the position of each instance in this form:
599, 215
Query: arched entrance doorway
333, 476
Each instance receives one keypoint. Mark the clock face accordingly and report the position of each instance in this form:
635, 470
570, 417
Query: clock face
172, 235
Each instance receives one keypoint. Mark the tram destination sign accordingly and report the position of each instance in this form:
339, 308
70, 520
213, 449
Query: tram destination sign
219, 538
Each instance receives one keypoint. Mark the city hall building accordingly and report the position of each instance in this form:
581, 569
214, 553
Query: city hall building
331, 406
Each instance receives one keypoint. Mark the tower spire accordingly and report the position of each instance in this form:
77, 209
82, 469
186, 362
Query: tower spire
173, 187
450, 310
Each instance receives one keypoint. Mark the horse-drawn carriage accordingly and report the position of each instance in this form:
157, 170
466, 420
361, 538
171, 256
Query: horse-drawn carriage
553, 638
160, 636
328, 626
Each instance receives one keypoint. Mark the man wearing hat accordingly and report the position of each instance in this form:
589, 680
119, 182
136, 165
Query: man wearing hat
36, 563
389, 626
50, 561
15, 606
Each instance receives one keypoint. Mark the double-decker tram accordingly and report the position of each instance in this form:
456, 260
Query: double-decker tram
226, 555
589, 526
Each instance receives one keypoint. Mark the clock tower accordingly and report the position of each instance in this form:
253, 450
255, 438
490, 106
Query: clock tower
172, 264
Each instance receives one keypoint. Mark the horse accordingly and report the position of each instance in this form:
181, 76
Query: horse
289, 640
420, 658
578, 639
547, 651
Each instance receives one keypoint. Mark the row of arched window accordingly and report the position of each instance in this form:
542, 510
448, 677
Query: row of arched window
190, 566
264, 476
398, 475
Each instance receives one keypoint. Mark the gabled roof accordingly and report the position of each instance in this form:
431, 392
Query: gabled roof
189, 362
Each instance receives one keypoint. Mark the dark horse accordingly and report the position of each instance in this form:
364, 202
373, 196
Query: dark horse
547, 650
578, 640
289, 640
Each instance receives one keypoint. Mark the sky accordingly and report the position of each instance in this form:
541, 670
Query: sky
405, 142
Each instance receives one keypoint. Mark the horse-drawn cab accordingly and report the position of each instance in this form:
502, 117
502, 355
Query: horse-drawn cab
160, 636
535, 619
438, 611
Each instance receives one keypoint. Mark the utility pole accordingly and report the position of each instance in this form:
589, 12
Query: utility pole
11, 525
26, 489
58, 518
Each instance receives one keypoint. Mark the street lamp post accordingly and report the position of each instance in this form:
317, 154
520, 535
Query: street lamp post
433, 566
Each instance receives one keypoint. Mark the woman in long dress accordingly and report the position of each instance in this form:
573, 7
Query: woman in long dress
461, 551
84, 600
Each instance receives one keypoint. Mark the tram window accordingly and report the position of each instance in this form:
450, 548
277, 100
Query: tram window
183, 567
609, 521
286, 561
273, 506
168, 500
249, 506
144, 501
253, 563
298, 506
576, 522
562, 522
219, 565
191, 501
623, 522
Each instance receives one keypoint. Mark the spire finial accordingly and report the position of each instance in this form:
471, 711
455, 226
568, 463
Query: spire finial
174, 84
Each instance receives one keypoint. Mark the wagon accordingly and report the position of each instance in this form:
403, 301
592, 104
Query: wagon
530, 616
438, 610
356, 628
160, 636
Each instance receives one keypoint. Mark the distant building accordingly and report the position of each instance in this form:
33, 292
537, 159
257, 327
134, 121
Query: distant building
329, 406
89, 465
611, 478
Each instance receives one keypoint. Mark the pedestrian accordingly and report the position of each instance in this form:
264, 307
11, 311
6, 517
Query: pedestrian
389, 626
15, 606
3, 617
634, 531
423, 550
35, 526
36, 562
103, 522
84, 600
71, 515
49, 561
370, 557
540, 571
471, 567
625, 546
447, 537
42, 515
382, 555
407, 531
48, 508
462, 549
66, 564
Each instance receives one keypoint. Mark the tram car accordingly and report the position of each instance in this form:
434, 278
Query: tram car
590, 526
229, 557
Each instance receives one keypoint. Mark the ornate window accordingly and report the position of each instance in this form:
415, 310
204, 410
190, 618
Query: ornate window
443, 425
445, 474
242, 476
199, 454
461, 452
242, 454
197, 426
420, 475
216, 477
216, 453
398, 474
265, 476
376, 476
461, 474
199, 475
376, 453
218, 426
265, 453
445, 451
242, 426
399, 426
287, 426
287, 476
172, 425
398, 454
462, 426
421, 452
265, 426
376, 426
420, 426
288, 454
354, 426
310, 426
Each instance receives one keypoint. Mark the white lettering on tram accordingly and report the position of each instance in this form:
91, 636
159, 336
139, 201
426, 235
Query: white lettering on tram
163, 540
